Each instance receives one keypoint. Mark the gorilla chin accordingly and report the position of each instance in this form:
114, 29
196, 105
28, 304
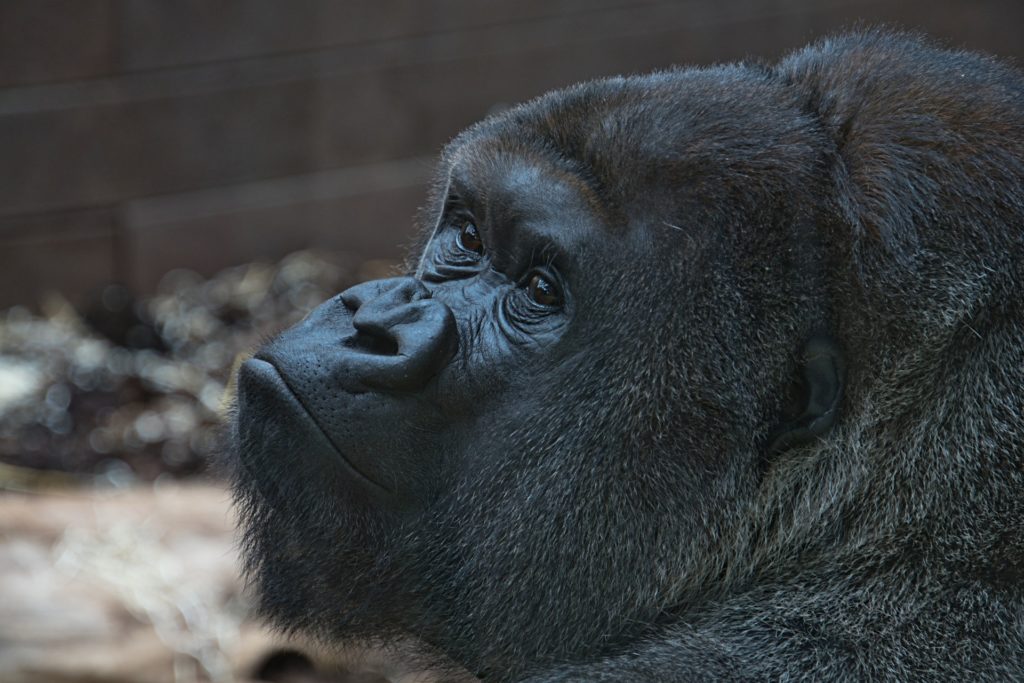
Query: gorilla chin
707, 374
276, 417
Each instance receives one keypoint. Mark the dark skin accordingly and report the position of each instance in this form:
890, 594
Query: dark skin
645, 406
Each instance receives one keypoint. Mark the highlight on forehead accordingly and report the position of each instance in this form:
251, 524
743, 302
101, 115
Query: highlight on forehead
470, 165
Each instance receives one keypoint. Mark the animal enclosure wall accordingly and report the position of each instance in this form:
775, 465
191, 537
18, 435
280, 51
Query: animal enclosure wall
139, 136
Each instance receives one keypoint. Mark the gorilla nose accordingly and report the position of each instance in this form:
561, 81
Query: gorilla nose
403, 336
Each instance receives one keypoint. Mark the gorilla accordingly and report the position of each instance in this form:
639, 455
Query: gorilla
711, 373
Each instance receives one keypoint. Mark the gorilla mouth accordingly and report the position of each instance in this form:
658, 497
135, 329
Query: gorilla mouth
261, 383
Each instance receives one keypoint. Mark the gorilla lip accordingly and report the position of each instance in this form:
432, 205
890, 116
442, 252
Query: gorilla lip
264, 374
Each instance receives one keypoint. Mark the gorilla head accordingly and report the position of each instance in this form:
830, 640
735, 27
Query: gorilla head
691, 372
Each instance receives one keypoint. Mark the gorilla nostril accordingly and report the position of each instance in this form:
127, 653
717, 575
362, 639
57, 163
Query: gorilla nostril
377, 345
399, 337
350, 301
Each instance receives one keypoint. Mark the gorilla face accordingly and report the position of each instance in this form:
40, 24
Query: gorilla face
529, 447
391, 371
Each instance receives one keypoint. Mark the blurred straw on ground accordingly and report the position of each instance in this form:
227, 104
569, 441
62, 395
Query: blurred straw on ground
142, 585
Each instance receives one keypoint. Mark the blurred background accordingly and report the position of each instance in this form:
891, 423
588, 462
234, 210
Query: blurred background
179, 179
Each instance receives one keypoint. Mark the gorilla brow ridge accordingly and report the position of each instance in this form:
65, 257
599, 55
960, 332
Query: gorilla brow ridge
569, 159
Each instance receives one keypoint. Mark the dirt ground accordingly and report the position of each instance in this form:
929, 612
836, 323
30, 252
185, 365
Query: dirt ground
142, 584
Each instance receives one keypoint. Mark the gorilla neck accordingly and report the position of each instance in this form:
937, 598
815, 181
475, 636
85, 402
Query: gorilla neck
914, 429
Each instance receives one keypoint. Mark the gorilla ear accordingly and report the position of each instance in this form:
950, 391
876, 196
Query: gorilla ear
817, 393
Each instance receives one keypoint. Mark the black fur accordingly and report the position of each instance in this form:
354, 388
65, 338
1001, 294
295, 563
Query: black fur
596, 500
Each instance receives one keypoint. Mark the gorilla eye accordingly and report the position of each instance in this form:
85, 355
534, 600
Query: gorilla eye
543, 291
469, 238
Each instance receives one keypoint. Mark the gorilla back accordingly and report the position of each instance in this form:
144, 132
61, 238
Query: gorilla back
705, 374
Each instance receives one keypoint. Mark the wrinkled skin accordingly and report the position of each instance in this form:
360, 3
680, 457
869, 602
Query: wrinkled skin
703, 374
